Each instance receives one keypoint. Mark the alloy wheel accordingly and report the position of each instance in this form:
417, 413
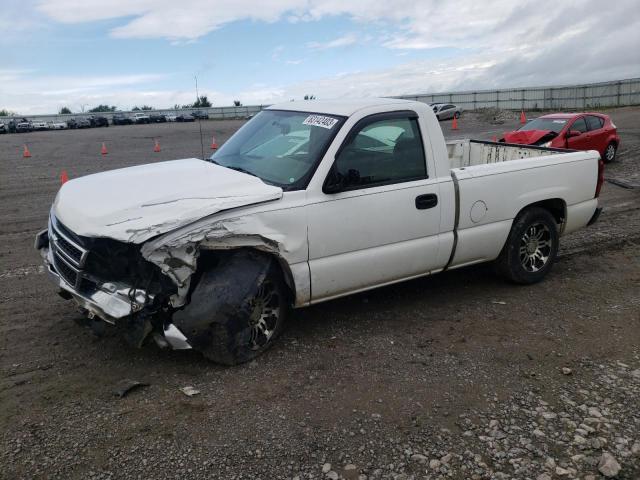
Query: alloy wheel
535, 247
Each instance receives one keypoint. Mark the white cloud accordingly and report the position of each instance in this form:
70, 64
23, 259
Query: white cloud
501, 43
343, 41
30, 92
184, 19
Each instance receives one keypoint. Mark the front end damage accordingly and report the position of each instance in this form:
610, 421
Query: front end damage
148, 291
111, 282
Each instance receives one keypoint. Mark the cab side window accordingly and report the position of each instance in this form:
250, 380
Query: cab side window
580, 125
594, 123
381, 153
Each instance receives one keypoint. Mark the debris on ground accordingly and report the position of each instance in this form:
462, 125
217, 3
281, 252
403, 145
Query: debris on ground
190, 391
125, 386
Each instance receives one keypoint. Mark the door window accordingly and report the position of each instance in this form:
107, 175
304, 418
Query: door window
381, 153
580, 125
594, 123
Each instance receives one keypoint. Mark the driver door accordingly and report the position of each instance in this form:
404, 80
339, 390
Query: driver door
582, 141
377, 220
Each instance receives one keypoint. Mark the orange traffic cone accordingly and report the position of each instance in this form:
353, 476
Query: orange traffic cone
64, 178
26, 153
523, 118
454, 125
103, 150
214, 145
156, 147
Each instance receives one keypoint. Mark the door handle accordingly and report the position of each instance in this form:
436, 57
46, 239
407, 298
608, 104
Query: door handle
428, 200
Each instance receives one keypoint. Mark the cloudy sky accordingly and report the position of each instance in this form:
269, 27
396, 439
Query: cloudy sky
80, 53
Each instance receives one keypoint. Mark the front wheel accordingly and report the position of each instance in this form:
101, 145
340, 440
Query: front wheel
237, 309
610, 153
531, 248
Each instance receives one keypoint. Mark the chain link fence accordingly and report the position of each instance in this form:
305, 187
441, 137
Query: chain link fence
575, 97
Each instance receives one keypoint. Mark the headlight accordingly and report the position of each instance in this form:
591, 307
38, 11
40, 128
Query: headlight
546, 145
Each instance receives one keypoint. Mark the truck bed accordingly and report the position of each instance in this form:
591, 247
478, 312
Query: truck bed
494, 181
466, 153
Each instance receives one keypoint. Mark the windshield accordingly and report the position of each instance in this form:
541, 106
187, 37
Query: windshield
280, 147
553, 124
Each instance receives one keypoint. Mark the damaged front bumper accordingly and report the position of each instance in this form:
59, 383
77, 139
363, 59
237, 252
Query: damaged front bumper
108, 301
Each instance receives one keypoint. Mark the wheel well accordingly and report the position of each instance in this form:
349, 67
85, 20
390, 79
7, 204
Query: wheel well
210, 258
556, 206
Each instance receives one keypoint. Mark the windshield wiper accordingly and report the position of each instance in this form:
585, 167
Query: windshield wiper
237, 169
240, 169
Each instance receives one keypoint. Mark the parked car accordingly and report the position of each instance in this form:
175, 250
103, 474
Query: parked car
445, 111
3, 127
98, 121
200, 115
157, 118
185, 117
24, 125
171, 117
140, 117
297, 208
11, 126
121, 119
577, 131
57, 125
39, 125
83, 122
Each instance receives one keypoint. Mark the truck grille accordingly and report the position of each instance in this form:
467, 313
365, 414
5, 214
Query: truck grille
66, 271
68, 256
68, 249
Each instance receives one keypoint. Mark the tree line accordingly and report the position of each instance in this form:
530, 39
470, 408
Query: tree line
201, 102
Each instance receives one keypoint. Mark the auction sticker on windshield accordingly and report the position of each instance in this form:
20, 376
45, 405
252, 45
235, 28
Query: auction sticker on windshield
320, 121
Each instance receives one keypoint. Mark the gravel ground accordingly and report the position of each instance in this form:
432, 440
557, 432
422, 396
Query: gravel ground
455, 376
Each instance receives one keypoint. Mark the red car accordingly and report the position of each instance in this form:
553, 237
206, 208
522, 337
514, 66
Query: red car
577, 131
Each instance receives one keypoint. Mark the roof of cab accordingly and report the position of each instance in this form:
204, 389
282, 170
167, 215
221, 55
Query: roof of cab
343, 107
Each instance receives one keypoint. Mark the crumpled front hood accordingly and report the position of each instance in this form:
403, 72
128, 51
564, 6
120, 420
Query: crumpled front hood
528, 137
136, 203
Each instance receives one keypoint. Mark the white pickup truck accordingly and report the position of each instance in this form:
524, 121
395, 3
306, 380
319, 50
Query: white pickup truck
307, 202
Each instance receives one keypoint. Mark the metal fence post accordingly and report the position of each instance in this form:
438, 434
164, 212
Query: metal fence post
618, 95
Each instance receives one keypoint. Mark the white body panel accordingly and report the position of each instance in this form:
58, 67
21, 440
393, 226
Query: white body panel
136, 203
335, 244
504, 189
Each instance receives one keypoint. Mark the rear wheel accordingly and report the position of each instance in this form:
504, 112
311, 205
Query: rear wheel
610, 153
456, 115
531, 248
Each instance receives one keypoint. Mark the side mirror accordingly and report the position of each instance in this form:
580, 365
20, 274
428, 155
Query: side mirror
573, 133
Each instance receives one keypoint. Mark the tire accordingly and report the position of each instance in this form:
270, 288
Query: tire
531, 247
237, 310
610, 153
456, 115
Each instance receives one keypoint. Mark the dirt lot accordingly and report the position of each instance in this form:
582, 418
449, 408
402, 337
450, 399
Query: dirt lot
455, 376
